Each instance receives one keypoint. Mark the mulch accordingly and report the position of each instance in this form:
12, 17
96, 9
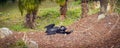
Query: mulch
87, 32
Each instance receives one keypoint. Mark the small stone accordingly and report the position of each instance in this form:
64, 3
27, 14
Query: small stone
109, 23
4, 32
101, 16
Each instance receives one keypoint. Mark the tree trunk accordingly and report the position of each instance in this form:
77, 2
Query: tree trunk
85, 8
30, 19
63, 10
103, 6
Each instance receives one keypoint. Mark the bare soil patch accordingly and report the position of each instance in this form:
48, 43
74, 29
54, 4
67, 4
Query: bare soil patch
88, 33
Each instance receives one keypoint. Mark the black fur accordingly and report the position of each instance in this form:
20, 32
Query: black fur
52, 29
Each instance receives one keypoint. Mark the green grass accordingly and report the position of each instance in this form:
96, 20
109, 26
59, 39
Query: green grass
49, 13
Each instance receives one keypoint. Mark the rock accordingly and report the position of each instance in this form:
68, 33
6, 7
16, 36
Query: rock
29, 43
4, 32
101, 16
109, 23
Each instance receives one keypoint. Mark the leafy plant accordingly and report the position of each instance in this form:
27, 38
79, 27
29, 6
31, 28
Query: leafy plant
19, 44
31, 7
61, 2
28, 5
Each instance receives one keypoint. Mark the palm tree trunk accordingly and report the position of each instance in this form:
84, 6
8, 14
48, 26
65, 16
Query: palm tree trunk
103, 6
27, 22
85, 8
63, 10
30, 19
34, 15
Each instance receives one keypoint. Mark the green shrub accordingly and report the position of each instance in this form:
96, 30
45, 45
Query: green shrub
19, 44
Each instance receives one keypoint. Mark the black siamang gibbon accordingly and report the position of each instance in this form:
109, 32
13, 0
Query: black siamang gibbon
52, 29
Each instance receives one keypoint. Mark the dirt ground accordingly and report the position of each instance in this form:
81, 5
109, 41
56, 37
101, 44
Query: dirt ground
87, 33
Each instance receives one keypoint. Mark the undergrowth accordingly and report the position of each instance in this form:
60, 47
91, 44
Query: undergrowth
47, 14
19, 44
